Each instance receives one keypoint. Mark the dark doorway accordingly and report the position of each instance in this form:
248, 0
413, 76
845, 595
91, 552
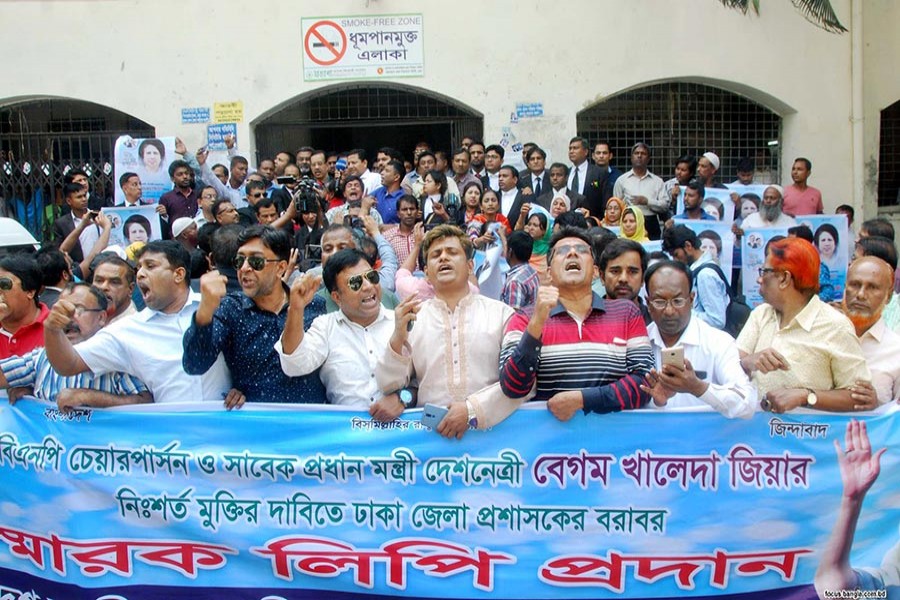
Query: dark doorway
369, 116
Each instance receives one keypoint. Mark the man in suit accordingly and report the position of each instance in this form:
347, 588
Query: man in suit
75, 196
476, 153
134, 192
535, 180
493, 160
584, 177
511, 197
558, 176
602, 156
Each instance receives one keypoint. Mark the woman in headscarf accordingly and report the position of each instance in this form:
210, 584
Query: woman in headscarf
612, 216
632, 227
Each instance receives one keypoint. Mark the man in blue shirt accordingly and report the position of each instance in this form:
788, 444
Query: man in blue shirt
711, 300
244, 326
693, 202
390, 191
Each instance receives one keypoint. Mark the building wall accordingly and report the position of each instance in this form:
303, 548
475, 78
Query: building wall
150, 59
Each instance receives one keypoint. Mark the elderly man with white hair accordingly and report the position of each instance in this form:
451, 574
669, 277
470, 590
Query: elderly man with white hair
770, 211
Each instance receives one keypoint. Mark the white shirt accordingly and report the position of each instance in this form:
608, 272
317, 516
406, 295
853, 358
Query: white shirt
148, 346
582, 176
348, 354
755, 221
713, 351
649, 186
371, 181
88, 237
452, 353
494, 181
881, 349
507, 199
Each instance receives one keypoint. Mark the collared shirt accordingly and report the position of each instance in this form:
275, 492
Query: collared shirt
819, 344
412, 184
178, 204
582, 177
452, 353
26, 338
507, 199
88, 236
462, 182
246, 336
402, 243
235, 195
148, 345
881, 349
34, 370
131, 310
715, 359
386, 203
493, 181
521, 287
606, 356
649, 186
347, 354
711, 299
371, 181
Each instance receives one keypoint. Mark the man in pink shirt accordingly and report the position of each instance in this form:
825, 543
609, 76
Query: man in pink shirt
799, 198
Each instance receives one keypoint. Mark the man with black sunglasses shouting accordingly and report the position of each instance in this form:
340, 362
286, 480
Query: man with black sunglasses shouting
244, 326
346, 343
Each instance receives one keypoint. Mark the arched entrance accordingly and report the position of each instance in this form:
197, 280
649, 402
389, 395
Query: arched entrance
678, 118
41, 138
367, 115
889, 157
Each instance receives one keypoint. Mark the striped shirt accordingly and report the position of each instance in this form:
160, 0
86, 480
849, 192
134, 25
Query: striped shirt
606, 356
34, 370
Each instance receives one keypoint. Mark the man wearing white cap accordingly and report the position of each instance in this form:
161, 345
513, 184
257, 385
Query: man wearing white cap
184, 231
707, 167
770, 211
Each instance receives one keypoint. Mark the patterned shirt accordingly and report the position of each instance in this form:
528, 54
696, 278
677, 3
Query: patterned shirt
606, 356
34, 370
819, 344
521, 287
402, 243
246, 336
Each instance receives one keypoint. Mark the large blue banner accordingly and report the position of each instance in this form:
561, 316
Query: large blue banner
317, 503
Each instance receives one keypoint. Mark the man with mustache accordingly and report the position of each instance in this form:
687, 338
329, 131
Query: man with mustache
82, 312
869, 285
770, 213
622, 266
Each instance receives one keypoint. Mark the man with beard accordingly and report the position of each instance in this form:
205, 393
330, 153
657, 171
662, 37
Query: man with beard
622, 267
770, 212
869, 284
386, 196
244, 326
401, 237
81, 315
476, 156
115, 278
693, 203
799, 351
147, 345
183, 199
711, 373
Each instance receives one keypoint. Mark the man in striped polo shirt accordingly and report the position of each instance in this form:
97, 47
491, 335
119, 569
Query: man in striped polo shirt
583, 352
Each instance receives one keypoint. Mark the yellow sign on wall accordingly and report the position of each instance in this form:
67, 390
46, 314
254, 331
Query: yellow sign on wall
228, 112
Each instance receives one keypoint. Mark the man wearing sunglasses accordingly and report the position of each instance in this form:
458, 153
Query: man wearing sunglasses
82, 314
711, 374
345, 344
244, 326
576, 346
147, 345
21, 313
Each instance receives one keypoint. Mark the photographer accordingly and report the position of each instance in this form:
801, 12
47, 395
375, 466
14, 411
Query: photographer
355, 206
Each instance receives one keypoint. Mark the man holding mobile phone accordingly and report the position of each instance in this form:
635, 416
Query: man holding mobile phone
696, 364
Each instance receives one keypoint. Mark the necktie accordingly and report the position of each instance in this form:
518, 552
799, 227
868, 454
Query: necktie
575, 182
537, 186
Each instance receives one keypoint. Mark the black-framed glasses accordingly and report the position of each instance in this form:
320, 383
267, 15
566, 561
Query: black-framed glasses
80, 309
257, 263
354, 282
677, 303
764, 270
6, 284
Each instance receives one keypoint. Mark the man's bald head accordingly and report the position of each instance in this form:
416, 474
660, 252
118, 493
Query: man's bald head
870, 282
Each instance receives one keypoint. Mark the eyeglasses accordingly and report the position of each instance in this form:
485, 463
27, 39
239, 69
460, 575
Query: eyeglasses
563, 249
80, 309
354, 282
257, 263
764, 270
259, 195
6, 284
677, 303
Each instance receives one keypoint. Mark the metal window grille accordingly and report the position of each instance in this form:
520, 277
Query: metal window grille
364, 107
889, 156
41, 139
678, 118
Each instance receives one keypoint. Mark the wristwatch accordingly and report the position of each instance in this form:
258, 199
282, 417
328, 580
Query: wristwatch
406, 398
472, 417
811, 397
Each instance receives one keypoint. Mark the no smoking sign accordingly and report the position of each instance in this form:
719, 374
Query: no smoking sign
325, 43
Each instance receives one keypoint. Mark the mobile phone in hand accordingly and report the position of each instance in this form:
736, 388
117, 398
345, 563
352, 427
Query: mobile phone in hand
432, 415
